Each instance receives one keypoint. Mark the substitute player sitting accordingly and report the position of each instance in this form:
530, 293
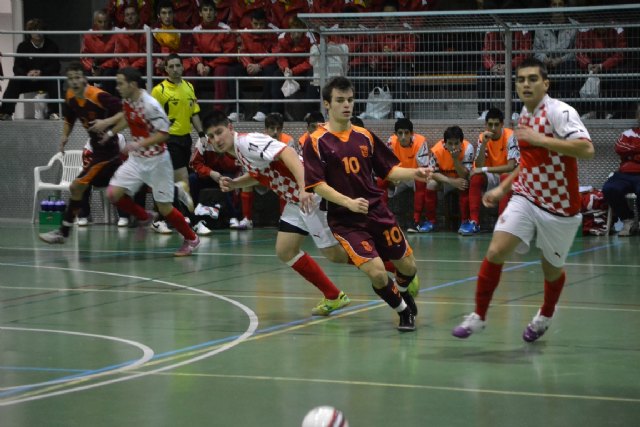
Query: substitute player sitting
275, 165
340, 161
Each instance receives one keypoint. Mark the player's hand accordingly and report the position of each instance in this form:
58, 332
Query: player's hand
486, 136
527, 134
424, 174
359, 205
225, 184
459, 183
306, 201
475, 171
98, 126
491, 198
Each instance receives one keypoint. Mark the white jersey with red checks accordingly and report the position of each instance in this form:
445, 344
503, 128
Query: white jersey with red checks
549, 179
258, 154
145, 117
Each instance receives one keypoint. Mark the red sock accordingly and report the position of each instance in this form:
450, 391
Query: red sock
176, 219
388, 265
308, 268
552, 291
488, 279
431, 202
476, 186
126, 204
247, 203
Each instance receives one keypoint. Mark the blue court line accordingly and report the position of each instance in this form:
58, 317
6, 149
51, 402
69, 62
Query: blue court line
281, 326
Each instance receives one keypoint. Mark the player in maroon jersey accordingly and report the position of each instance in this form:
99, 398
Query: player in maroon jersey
340, 161
546, 201
86, 103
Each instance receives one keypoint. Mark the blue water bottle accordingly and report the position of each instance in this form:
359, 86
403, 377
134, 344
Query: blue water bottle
60, 205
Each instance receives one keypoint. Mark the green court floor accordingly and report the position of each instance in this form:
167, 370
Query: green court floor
109, 331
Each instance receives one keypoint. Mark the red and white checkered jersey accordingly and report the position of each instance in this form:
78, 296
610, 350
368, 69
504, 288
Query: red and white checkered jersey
145, 117
258, 154
549, 179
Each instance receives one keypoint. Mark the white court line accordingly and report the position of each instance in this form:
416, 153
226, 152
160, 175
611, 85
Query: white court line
147, 354
253, 325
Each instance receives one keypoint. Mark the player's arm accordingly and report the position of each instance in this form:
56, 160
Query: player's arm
109, 122
482, 149
66, 131
578, 148
409, 174
324, 190
197, 125
227, 184
492, 197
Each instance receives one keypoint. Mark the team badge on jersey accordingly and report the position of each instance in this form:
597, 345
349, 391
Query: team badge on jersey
364, 149
367, 247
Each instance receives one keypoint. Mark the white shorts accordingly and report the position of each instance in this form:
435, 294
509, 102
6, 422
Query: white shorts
493, 179
315, 223
156, 172
554, 234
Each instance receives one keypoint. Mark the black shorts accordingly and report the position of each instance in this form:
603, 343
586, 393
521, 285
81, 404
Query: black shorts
180, 150
99, 174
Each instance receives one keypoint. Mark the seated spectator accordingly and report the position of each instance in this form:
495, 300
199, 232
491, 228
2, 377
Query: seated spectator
497, 155
100, 43
312, 119
382, 65
491, 76
208, 166
33, 66
223, 10
116, 9
185, 13
406, 145
282, 11
256, 66
601, 51
166, 43
242, 12
326, 6
289, 66
416, 5
451, 159
626, 180
550, 47
210, 43
131, 43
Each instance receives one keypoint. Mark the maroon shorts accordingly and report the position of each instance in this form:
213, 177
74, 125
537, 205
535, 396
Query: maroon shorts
379, 238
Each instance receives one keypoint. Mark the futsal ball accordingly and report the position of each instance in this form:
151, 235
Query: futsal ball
325, 416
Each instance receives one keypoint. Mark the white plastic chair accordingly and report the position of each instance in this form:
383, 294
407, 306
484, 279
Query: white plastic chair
71, 162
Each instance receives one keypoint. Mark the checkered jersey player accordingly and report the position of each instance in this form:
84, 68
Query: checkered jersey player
545, 203
275, 165
340, 161
149, 162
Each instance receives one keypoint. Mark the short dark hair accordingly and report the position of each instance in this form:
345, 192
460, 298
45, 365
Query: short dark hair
338, 82
208, 3
132, 75
403, 124
172, 56
534, 62
494, 113
259, 14
216, 118
74, 66
314, 117
453, 132
273, 119
164, 4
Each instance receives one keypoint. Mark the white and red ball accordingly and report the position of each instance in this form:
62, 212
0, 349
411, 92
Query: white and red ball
325, 416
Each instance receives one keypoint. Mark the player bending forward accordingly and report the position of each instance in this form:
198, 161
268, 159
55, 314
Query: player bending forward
340, 161
272, 163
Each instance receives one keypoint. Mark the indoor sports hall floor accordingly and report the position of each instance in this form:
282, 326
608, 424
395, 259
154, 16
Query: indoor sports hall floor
109, 331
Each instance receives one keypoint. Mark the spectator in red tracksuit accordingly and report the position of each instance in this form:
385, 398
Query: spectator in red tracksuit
185, 12
116, 8
223, 10
289, 66
131, 43
601, 51
100, 43
282, 11
416, 5
326, 6
166, 43
254, 43
210, 43
242, 12
393, 66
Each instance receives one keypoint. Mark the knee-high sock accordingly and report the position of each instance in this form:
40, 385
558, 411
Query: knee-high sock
247, 204
176, 219
488, 279
403, 281
69, 216
431, 202
127, 205
552, 291
391, 295
477, 184
418, 200
308, 268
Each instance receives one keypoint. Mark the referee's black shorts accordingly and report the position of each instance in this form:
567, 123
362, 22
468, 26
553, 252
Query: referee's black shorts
179, 147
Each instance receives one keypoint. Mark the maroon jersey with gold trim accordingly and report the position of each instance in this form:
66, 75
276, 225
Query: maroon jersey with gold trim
347, 162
